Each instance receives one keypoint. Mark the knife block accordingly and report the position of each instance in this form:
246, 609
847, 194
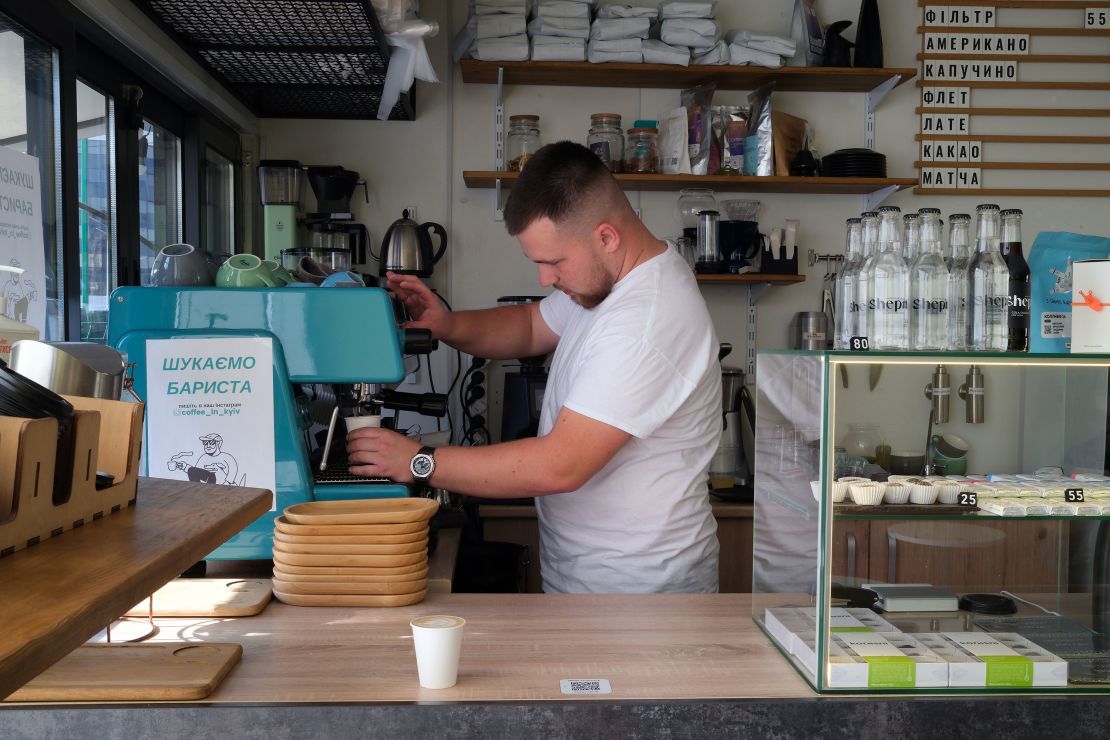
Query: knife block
48, 485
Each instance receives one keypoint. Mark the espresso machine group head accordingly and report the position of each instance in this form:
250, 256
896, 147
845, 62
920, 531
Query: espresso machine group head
335, 348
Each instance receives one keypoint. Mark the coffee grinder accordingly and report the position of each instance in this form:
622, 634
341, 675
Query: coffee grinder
279, 187
522, 397
332, 226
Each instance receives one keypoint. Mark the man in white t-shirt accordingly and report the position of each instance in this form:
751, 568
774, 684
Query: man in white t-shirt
632, 410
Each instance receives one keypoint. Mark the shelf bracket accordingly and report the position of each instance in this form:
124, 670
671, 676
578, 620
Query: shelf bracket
755, 292
499, 143
872, 100
872, 200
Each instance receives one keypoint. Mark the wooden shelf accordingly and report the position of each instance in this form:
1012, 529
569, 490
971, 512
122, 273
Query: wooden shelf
723, 183
727, 77
752, 277
62, 591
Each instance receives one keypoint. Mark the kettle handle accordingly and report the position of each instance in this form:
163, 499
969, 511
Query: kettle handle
430, 226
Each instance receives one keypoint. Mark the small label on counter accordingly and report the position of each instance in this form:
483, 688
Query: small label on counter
583, 686
1073, 495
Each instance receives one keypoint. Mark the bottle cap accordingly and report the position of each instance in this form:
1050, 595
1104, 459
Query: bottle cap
645, 123
986, 207
929, 210
889, 209
1011, 212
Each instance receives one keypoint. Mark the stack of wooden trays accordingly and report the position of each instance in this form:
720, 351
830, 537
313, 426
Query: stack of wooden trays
370, 552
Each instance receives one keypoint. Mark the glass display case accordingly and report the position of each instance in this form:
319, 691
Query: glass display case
968, 551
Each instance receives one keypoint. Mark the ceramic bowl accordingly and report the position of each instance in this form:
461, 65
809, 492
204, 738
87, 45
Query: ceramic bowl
180, 265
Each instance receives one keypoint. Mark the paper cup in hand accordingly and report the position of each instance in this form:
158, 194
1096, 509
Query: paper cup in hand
359, 422
438, 640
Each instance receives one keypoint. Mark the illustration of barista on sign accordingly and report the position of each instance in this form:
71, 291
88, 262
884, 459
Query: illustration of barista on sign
213, 466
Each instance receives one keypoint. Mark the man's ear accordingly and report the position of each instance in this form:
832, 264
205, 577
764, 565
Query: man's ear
608, 237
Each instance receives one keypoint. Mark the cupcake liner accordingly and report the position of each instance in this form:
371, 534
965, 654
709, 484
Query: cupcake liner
947, 493
923, 493
867, 494
896, 493
839, 491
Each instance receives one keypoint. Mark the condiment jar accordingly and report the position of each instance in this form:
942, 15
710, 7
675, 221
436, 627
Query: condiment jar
642, 151
523, 140
606, 139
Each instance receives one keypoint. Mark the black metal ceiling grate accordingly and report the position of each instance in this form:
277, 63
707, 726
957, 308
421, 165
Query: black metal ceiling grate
288, 58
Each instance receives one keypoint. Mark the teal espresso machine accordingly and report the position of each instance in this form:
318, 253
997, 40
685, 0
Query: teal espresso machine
335, 352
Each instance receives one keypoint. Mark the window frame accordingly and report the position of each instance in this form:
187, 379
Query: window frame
89, 52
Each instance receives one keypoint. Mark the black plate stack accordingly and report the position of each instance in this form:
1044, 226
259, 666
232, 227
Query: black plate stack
23, 397
854, 163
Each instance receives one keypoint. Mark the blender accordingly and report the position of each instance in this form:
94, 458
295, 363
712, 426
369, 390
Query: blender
279, 187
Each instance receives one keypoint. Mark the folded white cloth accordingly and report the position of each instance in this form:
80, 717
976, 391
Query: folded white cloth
688, 9
562, 9
762, 42
656, 52
578, 28
626, 11
503, 24
716, 54
740, 54
486, 7
503, 49
695, 32
620, 28
615, 50
493, 7
558, 49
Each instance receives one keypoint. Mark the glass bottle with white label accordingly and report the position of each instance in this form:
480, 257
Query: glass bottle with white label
959, 260
889, 315
989, 289
869, 238
929, 288
845, 289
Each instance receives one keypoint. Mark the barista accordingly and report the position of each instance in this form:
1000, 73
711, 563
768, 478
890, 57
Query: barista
631, 413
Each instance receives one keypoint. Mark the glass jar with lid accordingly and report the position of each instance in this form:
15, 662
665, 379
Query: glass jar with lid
523, 140
863, 440
641, 154
606, 139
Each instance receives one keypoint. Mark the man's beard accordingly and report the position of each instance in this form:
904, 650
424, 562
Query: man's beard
592, 299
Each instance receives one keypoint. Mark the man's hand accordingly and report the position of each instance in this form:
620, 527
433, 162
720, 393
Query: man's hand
381, 453
426, 310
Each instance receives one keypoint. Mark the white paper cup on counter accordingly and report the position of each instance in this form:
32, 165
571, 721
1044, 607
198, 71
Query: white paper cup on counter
923, 492
438, 642
867, 494
896, 493
948, 492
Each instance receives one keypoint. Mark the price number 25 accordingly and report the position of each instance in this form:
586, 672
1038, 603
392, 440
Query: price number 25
1096, 18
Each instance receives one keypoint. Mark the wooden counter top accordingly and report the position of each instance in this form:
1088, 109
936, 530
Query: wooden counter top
62, 591
516, 647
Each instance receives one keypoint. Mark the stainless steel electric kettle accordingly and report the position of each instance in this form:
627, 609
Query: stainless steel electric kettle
407, 247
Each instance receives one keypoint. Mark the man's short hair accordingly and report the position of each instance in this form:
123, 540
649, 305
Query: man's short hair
557, 181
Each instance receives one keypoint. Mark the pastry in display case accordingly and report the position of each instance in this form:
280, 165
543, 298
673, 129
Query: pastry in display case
934, 521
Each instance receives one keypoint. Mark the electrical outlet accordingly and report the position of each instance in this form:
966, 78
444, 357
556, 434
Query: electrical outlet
412, 212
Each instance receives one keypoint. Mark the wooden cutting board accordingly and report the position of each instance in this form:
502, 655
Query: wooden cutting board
406, 548
348, 600
208, 597
162, 671
404, 573
281, 524
358, 539
358, 561
308, 575
313, 588
365, 511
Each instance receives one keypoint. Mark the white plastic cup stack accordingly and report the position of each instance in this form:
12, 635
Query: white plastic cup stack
438, 642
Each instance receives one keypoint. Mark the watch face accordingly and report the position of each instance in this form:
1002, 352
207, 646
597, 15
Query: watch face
422, 466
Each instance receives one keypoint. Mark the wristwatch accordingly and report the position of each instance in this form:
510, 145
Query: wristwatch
423, 464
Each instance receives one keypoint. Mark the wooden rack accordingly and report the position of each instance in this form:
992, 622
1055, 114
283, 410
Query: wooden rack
936, 174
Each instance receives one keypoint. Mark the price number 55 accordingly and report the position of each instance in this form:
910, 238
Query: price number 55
1096, 18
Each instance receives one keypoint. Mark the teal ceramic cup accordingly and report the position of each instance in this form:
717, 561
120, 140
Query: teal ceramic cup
244, 271
949, 454
280, 275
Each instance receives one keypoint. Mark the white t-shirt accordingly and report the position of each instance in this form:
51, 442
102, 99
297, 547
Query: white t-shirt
644, 361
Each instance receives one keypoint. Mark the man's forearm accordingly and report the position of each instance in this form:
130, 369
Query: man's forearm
502, 333
517, 469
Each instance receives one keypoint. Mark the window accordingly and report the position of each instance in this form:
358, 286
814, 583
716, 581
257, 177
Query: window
96, 204
219, 203
160, 217
29, 125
